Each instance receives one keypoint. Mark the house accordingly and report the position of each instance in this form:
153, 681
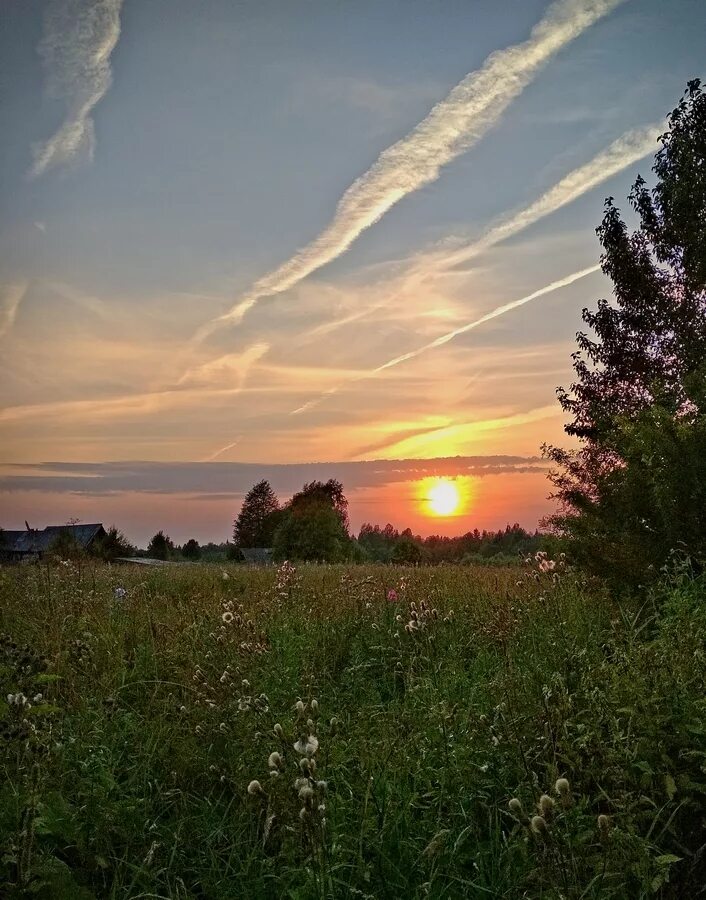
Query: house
33, 544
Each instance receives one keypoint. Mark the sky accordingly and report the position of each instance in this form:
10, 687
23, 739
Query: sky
304, 239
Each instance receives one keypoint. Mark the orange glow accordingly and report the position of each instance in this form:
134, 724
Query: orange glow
442, 497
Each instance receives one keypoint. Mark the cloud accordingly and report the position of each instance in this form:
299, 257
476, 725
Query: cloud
79, 36
229, 370
11, 295
450, 335
454, 125
235, 478
623, 152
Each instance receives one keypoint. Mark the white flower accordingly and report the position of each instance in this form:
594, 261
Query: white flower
307, 746
119, 593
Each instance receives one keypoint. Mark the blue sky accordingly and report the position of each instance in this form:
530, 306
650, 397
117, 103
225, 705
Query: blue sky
188, 292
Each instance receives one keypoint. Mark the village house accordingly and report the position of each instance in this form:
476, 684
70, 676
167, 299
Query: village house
32, 543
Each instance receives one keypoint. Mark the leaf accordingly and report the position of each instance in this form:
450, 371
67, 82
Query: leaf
667, 859
47, 678
670, 786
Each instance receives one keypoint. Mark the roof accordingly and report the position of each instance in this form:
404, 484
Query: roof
35, 541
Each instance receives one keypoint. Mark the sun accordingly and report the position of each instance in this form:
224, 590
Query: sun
444, 498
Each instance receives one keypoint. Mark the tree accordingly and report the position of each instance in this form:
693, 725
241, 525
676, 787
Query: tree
191, 549
257, 519
160, 547
112, 545
65, 546
634, 490
313, 525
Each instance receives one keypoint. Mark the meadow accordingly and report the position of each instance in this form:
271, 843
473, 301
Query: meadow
217, 732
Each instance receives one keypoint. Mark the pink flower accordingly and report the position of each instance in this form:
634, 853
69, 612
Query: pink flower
392, 595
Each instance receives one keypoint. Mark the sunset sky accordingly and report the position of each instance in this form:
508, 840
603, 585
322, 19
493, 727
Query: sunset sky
297, 239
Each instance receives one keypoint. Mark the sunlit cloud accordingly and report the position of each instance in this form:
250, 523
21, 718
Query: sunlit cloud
11, 296
79, 37
454, 125
230, 370
450, 335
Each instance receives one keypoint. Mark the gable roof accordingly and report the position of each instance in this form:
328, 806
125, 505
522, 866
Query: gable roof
35, 541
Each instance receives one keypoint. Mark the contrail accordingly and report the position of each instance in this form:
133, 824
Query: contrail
10, 298
225, 449
79, 36
450, 335
626, 150
454, 125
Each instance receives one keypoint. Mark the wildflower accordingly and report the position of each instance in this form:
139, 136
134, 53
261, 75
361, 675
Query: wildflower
516, 808
223, 727
314, 707
305, 765
225, 576
303, 813
279, 731
604, 827
306, 793
119, 593
562, 788
299, 707
392, 595
322, 786
37, 698
538, 825
227, 617
307, 746
255, 788
275, 760
546, 806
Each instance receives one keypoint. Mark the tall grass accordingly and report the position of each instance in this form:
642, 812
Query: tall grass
143, 704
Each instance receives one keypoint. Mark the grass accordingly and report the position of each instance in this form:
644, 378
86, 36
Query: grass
129, 776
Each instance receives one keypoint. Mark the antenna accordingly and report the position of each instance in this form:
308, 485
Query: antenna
27, 525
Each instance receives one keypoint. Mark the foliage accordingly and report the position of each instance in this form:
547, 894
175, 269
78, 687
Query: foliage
160, 546
112, 545
637, 405
314, 525
145, 703
65, 546
191, 549
505, 546
258, 517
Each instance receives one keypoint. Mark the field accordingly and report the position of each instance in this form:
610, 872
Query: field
201, 732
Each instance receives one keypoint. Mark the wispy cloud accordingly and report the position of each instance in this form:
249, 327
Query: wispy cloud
623, 152
454, 125
229, 370
11, 295
79, 36
450, 335
213, 456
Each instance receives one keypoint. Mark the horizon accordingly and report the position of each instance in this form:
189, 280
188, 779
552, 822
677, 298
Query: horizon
278, 232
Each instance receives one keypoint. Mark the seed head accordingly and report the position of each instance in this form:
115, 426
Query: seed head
516, 808
546, 806
255, 789
299, 707
314, 707
604, 827
538, 825
562, 787
306, 793
279, 731
275, 760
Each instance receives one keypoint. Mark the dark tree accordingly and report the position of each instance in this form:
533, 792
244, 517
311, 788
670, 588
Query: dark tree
329, 493
191, 549
112, 545
160, 547
257, 519
313, 525
634, 490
